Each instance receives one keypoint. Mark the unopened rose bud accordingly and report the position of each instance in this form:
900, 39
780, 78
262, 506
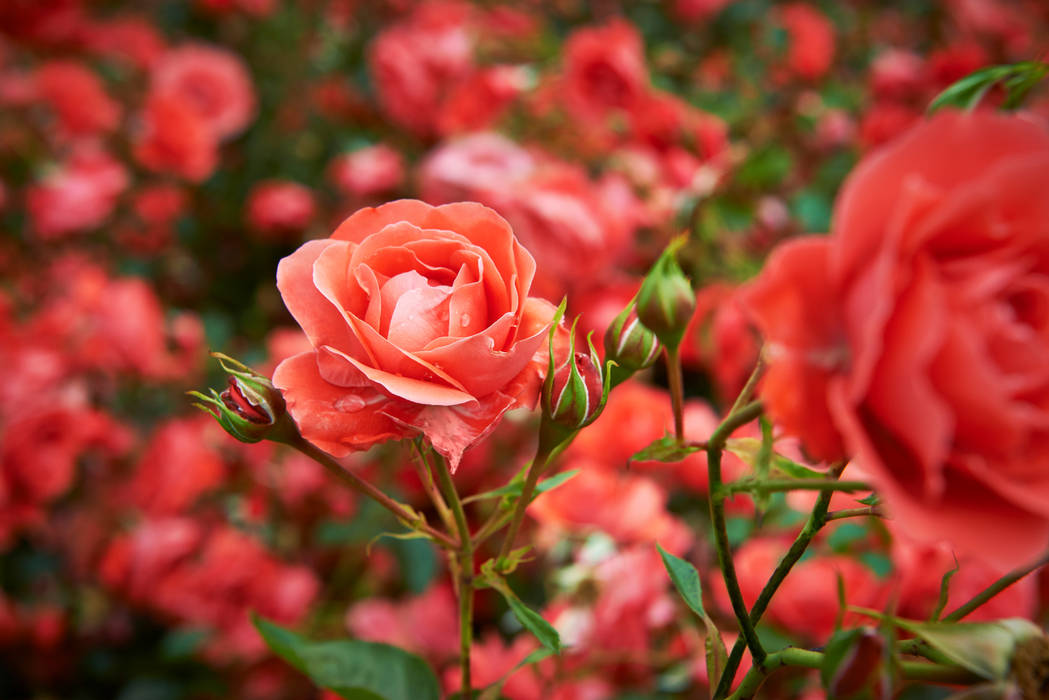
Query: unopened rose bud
630, 345
859, 664
576, 393
251, 408
666, 302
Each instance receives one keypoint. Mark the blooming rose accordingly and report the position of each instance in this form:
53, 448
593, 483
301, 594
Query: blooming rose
420, 322
914, 336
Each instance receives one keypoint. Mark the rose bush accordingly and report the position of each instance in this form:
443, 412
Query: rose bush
914, 336
420, 322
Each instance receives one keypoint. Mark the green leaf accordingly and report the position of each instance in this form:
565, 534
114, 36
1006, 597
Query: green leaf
749, 450
529, 619
514, 488
835, 651
985, 648
353, 669
945, 586
686, 581
1018, 80
665, 449
871, 500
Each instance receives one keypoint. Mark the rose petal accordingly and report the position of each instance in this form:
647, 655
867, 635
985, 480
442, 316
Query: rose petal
901, 394
407, 388
336, 419
319, 318
367, 221
947, 150
421, 315
453, 429
792, 303
1002, 534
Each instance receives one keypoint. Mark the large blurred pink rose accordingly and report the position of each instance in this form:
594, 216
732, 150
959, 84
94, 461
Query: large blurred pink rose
914, 336
420, 322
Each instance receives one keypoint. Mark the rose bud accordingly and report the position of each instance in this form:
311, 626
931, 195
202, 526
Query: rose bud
251, 408
856, 662
666, 302
630, 345
574, 392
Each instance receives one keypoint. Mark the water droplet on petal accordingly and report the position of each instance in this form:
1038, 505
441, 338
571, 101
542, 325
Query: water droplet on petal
351, 403
464, 320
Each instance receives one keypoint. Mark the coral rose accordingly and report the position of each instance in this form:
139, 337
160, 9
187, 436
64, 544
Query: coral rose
420, 322
914, 336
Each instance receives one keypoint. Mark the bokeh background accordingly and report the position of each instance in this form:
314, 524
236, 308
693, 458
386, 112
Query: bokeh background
158, 158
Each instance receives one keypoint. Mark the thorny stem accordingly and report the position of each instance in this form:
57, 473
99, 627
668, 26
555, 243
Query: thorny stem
994, 589
716, 444
855, 513
462, 564
817, 519
773, 485
347, 477
677, 391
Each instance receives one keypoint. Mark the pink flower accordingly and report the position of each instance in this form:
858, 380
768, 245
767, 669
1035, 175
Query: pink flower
79, 196
368, 171
913, 337
175, 139
421, 324
279, 207
211, 81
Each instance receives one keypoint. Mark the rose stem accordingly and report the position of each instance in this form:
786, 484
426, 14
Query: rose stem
347, 477
463, 569
422, 465
854, 513
994, 589
535, 469
717, 518
748, 389
677, 391
816, 520
911, 671
775, 485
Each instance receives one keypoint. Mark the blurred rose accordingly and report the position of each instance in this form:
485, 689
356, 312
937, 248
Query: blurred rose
421, 324
605, 71
78, 196
179, 465
77, 97
416, 62
935, 271
175, 139
470, 167
368, 171
279, 207
812, 39
211, 81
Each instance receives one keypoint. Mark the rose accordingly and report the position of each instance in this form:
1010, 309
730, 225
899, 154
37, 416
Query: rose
420, 322
914, 336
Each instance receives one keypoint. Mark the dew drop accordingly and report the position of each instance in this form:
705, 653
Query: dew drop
464, 320
350, 403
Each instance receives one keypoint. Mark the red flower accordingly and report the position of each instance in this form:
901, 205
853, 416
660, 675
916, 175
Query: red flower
420, 322
604, 70
280, 206
77, 97
79, 196
211, 81
914, 336
811, 40
176, 139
